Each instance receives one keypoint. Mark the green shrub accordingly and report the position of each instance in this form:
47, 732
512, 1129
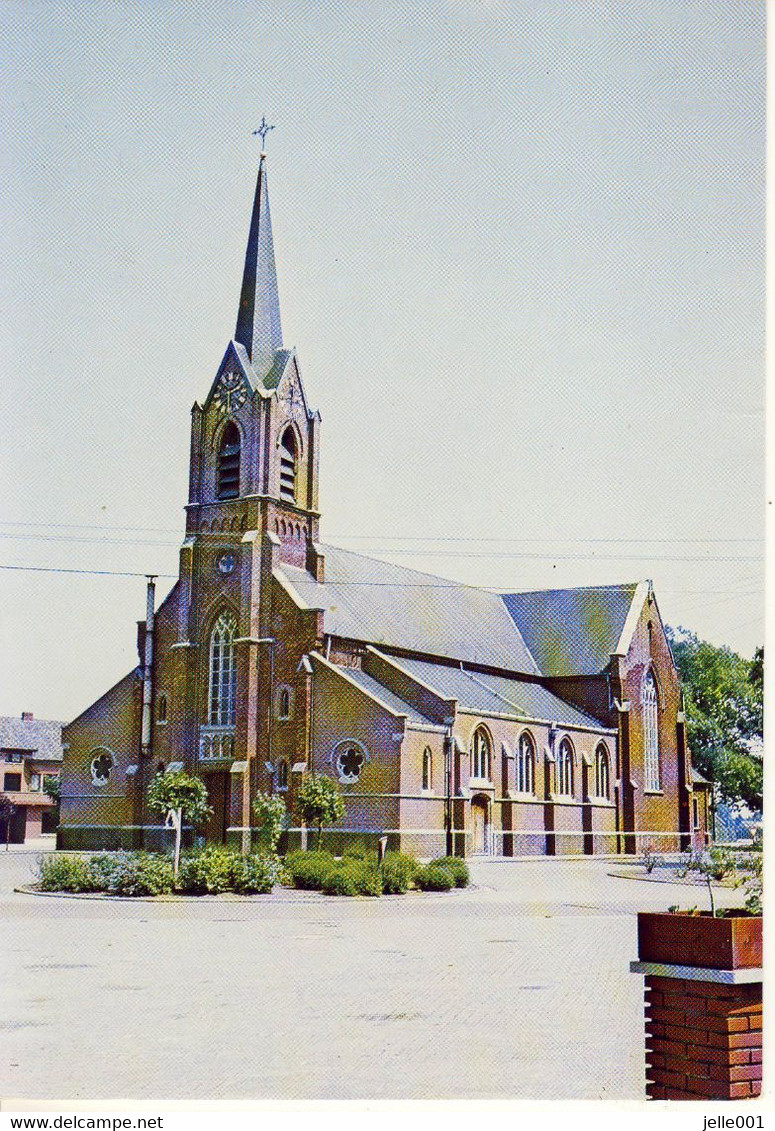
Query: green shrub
358, 851
258, 872
457, 866
269, 818
434, 878
66, 873
207, 871
353, 877
307, 870
133, 873
398, 873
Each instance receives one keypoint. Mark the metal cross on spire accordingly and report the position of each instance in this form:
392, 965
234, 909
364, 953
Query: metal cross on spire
262, 131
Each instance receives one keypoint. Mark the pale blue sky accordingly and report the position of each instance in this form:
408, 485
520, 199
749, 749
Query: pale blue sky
520, 250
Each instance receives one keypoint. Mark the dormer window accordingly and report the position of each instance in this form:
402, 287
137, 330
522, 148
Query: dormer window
288, 466
228, 462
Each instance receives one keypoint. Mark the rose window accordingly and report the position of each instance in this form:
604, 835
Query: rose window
349, 762
100, 768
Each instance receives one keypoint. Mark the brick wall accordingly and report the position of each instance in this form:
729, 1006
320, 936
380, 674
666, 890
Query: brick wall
703, 1039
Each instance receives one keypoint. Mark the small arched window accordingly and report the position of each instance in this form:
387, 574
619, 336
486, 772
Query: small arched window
222, 688
565, 769
526, 764
427, 769
602, 773
650, 705
282, 774
481, 754
284, 703
229, 462
161, 708
288, 466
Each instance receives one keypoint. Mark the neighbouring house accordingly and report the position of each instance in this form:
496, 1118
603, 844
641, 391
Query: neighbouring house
454, 718
30, 758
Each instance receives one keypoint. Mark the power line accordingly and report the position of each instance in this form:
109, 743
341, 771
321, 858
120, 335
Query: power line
92, 572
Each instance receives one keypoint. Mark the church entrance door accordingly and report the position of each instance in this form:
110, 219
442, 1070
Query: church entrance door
219, 796
480, 820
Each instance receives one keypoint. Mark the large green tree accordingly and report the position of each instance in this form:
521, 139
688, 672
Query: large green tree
724, 714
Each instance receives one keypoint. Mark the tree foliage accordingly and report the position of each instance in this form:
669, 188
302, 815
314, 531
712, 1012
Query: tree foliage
269, 818
724, 714
168, 793
319, 802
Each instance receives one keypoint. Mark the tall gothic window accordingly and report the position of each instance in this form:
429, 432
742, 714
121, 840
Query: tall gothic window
228, 462
427, 769
481, 754
565, 769
602, 773
288, 466
222, 671
525, 764
650, 706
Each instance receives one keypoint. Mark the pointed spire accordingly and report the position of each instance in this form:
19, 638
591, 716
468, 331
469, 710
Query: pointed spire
258, 320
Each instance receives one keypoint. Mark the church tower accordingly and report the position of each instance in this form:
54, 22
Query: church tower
253, 504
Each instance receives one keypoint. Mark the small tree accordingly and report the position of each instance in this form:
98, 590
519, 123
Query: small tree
269, 815
7, 810
52, 787
319, 802
179, 795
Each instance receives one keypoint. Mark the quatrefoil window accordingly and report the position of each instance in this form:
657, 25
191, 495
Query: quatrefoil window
349, 760
101, 767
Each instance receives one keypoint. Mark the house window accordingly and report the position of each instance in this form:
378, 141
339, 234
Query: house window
34, 783
602, 773
15, 755
101, 766
161, 709
525, 764
12, 783
229, 462
288, 466
282, 774
349, 759
565, 769
481, 754
222, 687
427, 769
284, 703
651, 732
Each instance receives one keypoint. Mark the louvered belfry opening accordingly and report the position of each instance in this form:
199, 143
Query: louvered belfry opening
288, 466
228, 463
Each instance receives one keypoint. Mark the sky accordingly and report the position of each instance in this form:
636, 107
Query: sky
520, 252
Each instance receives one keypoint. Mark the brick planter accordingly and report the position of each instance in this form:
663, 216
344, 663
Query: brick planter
703, 1005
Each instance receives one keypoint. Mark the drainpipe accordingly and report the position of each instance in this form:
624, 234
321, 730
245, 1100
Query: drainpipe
449, 754
146, 730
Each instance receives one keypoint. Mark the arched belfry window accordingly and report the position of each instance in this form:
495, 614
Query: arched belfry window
222, 671
481, 754
288, 454
229, 462
650, 705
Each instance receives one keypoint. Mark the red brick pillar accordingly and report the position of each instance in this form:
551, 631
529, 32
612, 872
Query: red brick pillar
703, 1039
703, 1005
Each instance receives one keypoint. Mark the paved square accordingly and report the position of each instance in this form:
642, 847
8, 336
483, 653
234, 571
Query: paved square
516, 988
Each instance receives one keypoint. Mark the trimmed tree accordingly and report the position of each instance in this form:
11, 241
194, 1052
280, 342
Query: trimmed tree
319, 802
269, 817
179, 796
7, 810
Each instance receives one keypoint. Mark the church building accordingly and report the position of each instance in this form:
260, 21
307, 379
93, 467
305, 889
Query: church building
454, 719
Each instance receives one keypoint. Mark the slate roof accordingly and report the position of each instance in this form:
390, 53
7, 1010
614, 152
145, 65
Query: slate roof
374, 601
571, 631
496, 694
43, 737
393, 702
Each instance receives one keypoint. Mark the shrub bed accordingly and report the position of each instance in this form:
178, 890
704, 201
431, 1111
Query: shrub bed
353, 877
434, 878
66, 873
457, 866
308, 870
132, 873
398, 873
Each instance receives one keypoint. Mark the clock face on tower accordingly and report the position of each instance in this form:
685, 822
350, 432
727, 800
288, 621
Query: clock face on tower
231, 392
227, 562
